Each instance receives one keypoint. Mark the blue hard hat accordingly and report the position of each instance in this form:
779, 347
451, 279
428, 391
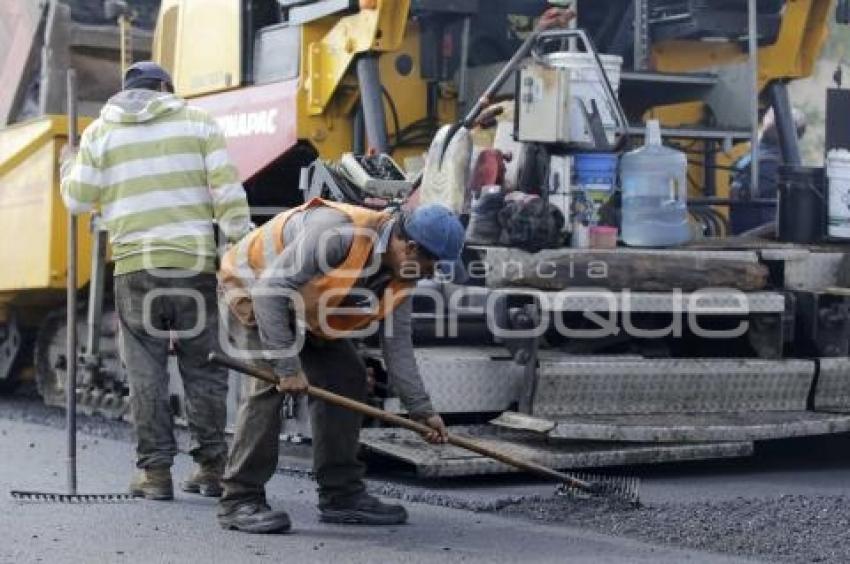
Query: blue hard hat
439, 231
145, 70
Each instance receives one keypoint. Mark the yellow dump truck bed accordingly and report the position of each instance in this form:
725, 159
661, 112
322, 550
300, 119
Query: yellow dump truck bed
33, 219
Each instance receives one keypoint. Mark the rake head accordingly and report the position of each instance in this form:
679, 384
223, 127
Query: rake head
47, 497
622, 488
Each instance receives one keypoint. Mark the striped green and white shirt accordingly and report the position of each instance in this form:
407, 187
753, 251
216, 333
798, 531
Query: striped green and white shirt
159, 172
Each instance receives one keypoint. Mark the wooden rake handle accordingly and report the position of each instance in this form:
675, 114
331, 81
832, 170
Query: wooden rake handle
387, 417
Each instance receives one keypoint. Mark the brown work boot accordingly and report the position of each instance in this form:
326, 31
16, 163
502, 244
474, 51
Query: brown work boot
205, 480
153, 483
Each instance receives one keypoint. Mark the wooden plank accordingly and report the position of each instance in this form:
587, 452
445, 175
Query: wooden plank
637, 271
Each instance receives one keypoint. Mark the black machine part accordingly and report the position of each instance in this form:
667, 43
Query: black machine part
837, 116
372, 102
789, 143
10, 349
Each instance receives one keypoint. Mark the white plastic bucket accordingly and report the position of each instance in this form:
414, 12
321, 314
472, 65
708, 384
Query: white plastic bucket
587, 85
838, 173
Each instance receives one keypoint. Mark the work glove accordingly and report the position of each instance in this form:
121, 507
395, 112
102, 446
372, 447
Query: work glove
293, 384
440, 434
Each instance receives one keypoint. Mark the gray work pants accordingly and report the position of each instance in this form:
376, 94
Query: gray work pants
333, 365
188, 307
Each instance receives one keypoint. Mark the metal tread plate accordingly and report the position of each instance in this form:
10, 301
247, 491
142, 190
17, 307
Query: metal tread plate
833, 385
466, 379
441, 461
715, 302
681, 427
497, 253
574, 386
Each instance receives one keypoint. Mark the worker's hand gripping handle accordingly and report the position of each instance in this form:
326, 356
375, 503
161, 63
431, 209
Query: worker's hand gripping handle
330, 397
348, 403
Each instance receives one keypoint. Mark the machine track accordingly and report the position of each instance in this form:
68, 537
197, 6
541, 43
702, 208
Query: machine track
105, 395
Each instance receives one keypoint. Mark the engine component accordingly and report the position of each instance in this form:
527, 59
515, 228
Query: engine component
377, 175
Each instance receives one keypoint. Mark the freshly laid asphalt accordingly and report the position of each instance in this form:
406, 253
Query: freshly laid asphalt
186, 531
789, 503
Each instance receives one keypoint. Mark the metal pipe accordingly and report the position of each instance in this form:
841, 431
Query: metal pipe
96, 296
752, 16
71, 313
641, 35
358, 133
46, 56
463, 73
372, 102
786, 128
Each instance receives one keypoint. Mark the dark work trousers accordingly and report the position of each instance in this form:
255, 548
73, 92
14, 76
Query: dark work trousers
152, 307
333, 365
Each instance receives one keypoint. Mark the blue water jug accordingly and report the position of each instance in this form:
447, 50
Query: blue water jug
655, 194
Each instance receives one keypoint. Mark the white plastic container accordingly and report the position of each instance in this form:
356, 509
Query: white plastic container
587, 85
543, 116
444, 180
838, 174
655, 194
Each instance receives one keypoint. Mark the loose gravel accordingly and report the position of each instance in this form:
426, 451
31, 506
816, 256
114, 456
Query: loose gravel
787, 529
790, 528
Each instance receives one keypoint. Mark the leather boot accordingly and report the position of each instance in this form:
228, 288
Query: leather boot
205, 480
255, 517
153, 483
362, 509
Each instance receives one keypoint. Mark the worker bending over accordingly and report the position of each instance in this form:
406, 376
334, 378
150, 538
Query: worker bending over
336, 269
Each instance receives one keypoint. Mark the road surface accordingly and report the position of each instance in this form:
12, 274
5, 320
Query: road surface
185, 531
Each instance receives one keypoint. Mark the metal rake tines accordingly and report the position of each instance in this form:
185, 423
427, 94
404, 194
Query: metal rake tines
625, 488
49, 497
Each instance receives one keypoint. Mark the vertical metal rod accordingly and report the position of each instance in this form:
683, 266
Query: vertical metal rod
96, 294
786, 127
572, 44
641, 33
464, 65
372, 101
71, 342
752, 14
46, 56
125, 29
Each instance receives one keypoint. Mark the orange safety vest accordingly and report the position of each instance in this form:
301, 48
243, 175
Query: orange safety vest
245, 262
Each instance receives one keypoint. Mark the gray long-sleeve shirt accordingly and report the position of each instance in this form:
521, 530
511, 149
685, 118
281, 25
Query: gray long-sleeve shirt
316, 241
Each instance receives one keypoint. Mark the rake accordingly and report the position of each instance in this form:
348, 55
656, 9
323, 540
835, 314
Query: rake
72, 497
622, 488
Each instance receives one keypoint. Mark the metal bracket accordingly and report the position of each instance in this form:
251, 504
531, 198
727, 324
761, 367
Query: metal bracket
526, 400
90, 361
380, 29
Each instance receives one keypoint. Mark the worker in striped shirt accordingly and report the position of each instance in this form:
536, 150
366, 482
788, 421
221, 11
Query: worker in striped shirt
158, 171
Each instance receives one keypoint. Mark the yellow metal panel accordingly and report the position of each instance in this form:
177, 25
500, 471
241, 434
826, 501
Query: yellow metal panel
409, 93
165, 44
331, 132
793, 55
26, 211
32, 215
207, 53
18, 142
330, 55
805, 25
